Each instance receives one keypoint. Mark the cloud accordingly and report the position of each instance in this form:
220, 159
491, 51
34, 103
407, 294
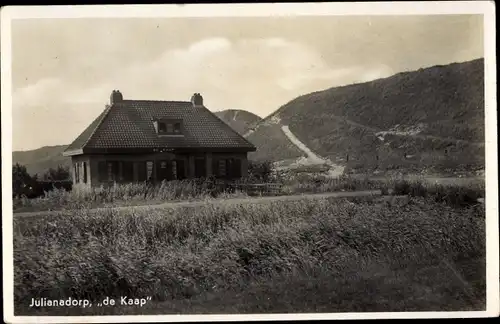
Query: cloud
214, 66
208, 46
37, 93
258, 75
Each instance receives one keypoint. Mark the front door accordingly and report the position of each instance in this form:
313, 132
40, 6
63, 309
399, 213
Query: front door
164, 170
180, 168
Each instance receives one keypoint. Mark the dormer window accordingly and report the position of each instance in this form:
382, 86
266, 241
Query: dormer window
168, 127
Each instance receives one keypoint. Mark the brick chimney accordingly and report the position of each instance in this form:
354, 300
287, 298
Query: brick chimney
197, 99
116, 96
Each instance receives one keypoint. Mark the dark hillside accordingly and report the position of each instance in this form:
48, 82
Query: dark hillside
433, 116
240, 120
42, 159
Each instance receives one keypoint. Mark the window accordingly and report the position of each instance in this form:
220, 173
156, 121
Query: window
141, 171
236, 169
227, 168
128, 171
84, 172
108, 170
162, 128
200, 168
169, 127
102, 171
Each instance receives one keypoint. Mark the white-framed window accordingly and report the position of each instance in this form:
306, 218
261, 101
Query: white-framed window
169, 127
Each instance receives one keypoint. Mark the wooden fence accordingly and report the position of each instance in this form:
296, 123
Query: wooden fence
251, 188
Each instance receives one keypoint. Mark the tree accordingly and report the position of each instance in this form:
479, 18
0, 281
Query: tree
260, 170
20, 178
57, 174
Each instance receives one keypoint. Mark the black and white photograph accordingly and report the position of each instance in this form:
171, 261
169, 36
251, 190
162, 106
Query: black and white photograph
249, 162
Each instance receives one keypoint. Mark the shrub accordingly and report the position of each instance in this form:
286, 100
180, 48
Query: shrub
260, 170
453, 195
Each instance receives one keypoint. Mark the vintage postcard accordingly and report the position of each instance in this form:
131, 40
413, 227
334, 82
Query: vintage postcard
249, 162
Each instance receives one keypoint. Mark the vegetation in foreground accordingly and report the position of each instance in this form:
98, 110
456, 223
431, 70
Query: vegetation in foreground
303, 256
189, 190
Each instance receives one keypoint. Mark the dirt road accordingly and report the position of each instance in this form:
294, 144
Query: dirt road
235, 201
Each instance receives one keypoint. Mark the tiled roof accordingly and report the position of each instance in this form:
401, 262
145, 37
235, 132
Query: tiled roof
128, 124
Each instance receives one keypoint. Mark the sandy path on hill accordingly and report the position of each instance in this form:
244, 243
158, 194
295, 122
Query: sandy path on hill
312, 158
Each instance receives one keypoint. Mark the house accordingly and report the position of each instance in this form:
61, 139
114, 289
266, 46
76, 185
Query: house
139, 140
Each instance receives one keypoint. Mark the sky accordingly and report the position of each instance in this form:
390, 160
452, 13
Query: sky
64, 70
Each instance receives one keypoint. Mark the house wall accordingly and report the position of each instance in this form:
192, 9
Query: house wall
188, 158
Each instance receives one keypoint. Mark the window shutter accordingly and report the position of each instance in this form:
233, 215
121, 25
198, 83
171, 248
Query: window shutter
76, 172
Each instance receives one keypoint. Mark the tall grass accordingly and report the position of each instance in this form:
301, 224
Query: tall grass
336, 253
306, 183
458, 196
123, 194
140, 193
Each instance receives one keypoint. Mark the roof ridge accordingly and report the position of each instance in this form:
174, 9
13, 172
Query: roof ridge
147, 100
227, 126
103, 116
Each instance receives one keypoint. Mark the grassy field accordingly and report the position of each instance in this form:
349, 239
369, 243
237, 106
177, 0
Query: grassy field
425, 253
